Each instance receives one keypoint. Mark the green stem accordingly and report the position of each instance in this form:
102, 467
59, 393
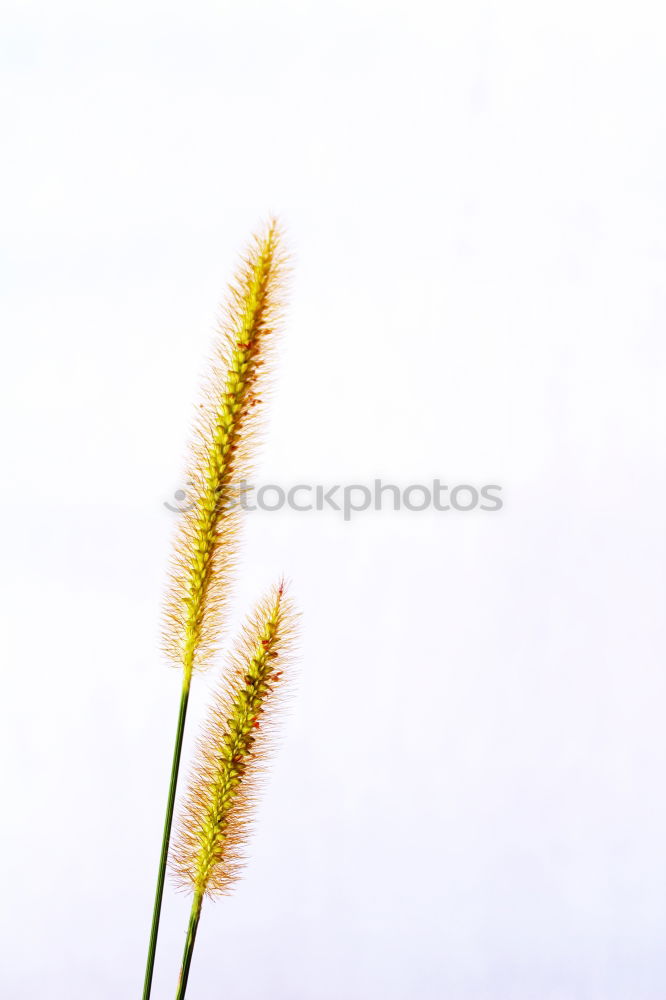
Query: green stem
195, 913
159, 891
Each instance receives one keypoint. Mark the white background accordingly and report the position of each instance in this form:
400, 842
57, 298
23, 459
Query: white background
469, 800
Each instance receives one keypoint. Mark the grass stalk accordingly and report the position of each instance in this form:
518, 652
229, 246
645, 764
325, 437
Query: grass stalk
205, 544
166, 837
195, 913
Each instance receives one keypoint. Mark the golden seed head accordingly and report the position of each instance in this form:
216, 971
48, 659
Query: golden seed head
206, 535
215, 814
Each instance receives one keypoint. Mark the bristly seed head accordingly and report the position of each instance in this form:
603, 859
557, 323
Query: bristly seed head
214, 819
206, 534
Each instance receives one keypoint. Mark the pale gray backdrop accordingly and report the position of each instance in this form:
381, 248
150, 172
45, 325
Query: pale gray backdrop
469, 799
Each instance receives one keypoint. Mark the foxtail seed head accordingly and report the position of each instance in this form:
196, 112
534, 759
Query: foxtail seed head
205, 541
213, 824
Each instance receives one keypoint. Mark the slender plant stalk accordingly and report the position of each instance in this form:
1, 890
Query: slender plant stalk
205, 542
166, 836
213, 825
193, 925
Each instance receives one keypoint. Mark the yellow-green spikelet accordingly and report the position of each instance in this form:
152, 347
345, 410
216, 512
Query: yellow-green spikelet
205, 541
214, 818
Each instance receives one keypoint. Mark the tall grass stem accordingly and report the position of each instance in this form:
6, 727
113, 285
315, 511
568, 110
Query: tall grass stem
195, 913
168, 819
